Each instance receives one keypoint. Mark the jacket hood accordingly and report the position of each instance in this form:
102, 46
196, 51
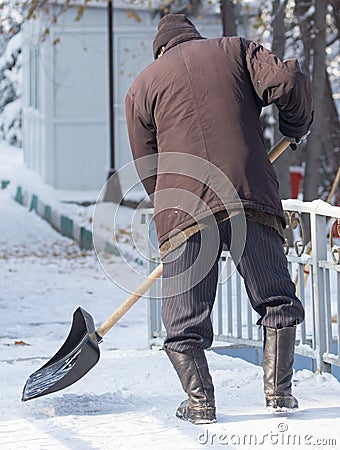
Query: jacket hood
174, 29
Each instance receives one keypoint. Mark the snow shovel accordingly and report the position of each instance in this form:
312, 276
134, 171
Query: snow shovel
80, 352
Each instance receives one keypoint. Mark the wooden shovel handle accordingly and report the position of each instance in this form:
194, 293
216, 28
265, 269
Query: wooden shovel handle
334, 187
279, 148
130, 301
276, 151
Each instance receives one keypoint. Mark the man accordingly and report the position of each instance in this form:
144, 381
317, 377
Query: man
197, 142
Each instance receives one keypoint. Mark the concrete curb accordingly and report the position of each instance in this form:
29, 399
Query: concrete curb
65, 225
4, 184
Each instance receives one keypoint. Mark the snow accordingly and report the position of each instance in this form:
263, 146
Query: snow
12, 168
128, 399
12, 46
10, 89
305, 258
316, 206
308, 14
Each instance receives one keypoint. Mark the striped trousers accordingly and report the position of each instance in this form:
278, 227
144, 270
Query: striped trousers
190, 275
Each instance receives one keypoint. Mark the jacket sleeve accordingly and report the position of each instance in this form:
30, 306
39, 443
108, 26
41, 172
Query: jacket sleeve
281, 83
143, 143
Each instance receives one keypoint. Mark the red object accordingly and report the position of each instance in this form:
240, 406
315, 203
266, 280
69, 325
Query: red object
296, 177
335, 230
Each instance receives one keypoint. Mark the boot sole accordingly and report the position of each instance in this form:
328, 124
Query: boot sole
282, 409
197, 422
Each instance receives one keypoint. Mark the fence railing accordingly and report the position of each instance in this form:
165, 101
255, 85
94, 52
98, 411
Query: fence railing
314, 267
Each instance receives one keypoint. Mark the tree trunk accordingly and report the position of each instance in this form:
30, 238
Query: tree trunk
329, 115
301, 8
331, 146
228, 17
278, 46
315, 140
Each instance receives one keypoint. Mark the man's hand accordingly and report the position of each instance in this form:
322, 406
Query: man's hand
295, 141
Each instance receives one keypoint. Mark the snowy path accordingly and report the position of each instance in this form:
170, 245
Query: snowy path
128, 399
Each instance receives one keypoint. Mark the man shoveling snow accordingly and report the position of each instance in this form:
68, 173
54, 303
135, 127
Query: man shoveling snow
195, 134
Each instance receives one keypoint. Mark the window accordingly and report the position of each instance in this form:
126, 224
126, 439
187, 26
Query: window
34, 97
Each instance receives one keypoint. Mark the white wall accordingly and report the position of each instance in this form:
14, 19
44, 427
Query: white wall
66, 139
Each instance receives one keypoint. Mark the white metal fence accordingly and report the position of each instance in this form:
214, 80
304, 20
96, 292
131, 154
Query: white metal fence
316, 274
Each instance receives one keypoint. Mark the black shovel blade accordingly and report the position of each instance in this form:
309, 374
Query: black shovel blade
74, 359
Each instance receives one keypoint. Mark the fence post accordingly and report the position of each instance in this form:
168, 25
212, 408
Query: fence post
153, 299
319, 252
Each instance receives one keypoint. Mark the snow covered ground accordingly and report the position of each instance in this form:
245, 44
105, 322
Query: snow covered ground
128, 399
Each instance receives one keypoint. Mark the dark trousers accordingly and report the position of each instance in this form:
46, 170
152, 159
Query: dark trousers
190, 275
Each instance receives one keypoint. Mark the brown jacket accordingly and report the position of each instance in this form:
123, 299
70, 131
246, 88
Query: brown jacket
193, 119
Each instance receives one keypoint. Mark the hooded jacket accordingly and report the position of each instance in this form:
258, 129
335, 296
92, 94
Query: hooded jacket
193, 118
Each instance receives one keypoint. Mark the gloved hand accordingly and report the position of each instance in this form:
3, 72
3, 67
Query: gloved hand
295, 141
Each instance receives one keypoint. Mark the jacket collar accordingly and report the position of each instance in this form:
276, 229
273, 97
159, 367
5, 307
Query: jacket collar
187, 36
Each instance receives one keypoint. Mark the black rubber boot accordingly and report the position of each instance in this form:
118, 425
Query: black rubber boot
278, 359
193, 372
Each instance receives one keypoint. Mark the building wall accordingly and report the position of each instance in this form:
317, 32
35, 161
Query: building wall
66, 134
